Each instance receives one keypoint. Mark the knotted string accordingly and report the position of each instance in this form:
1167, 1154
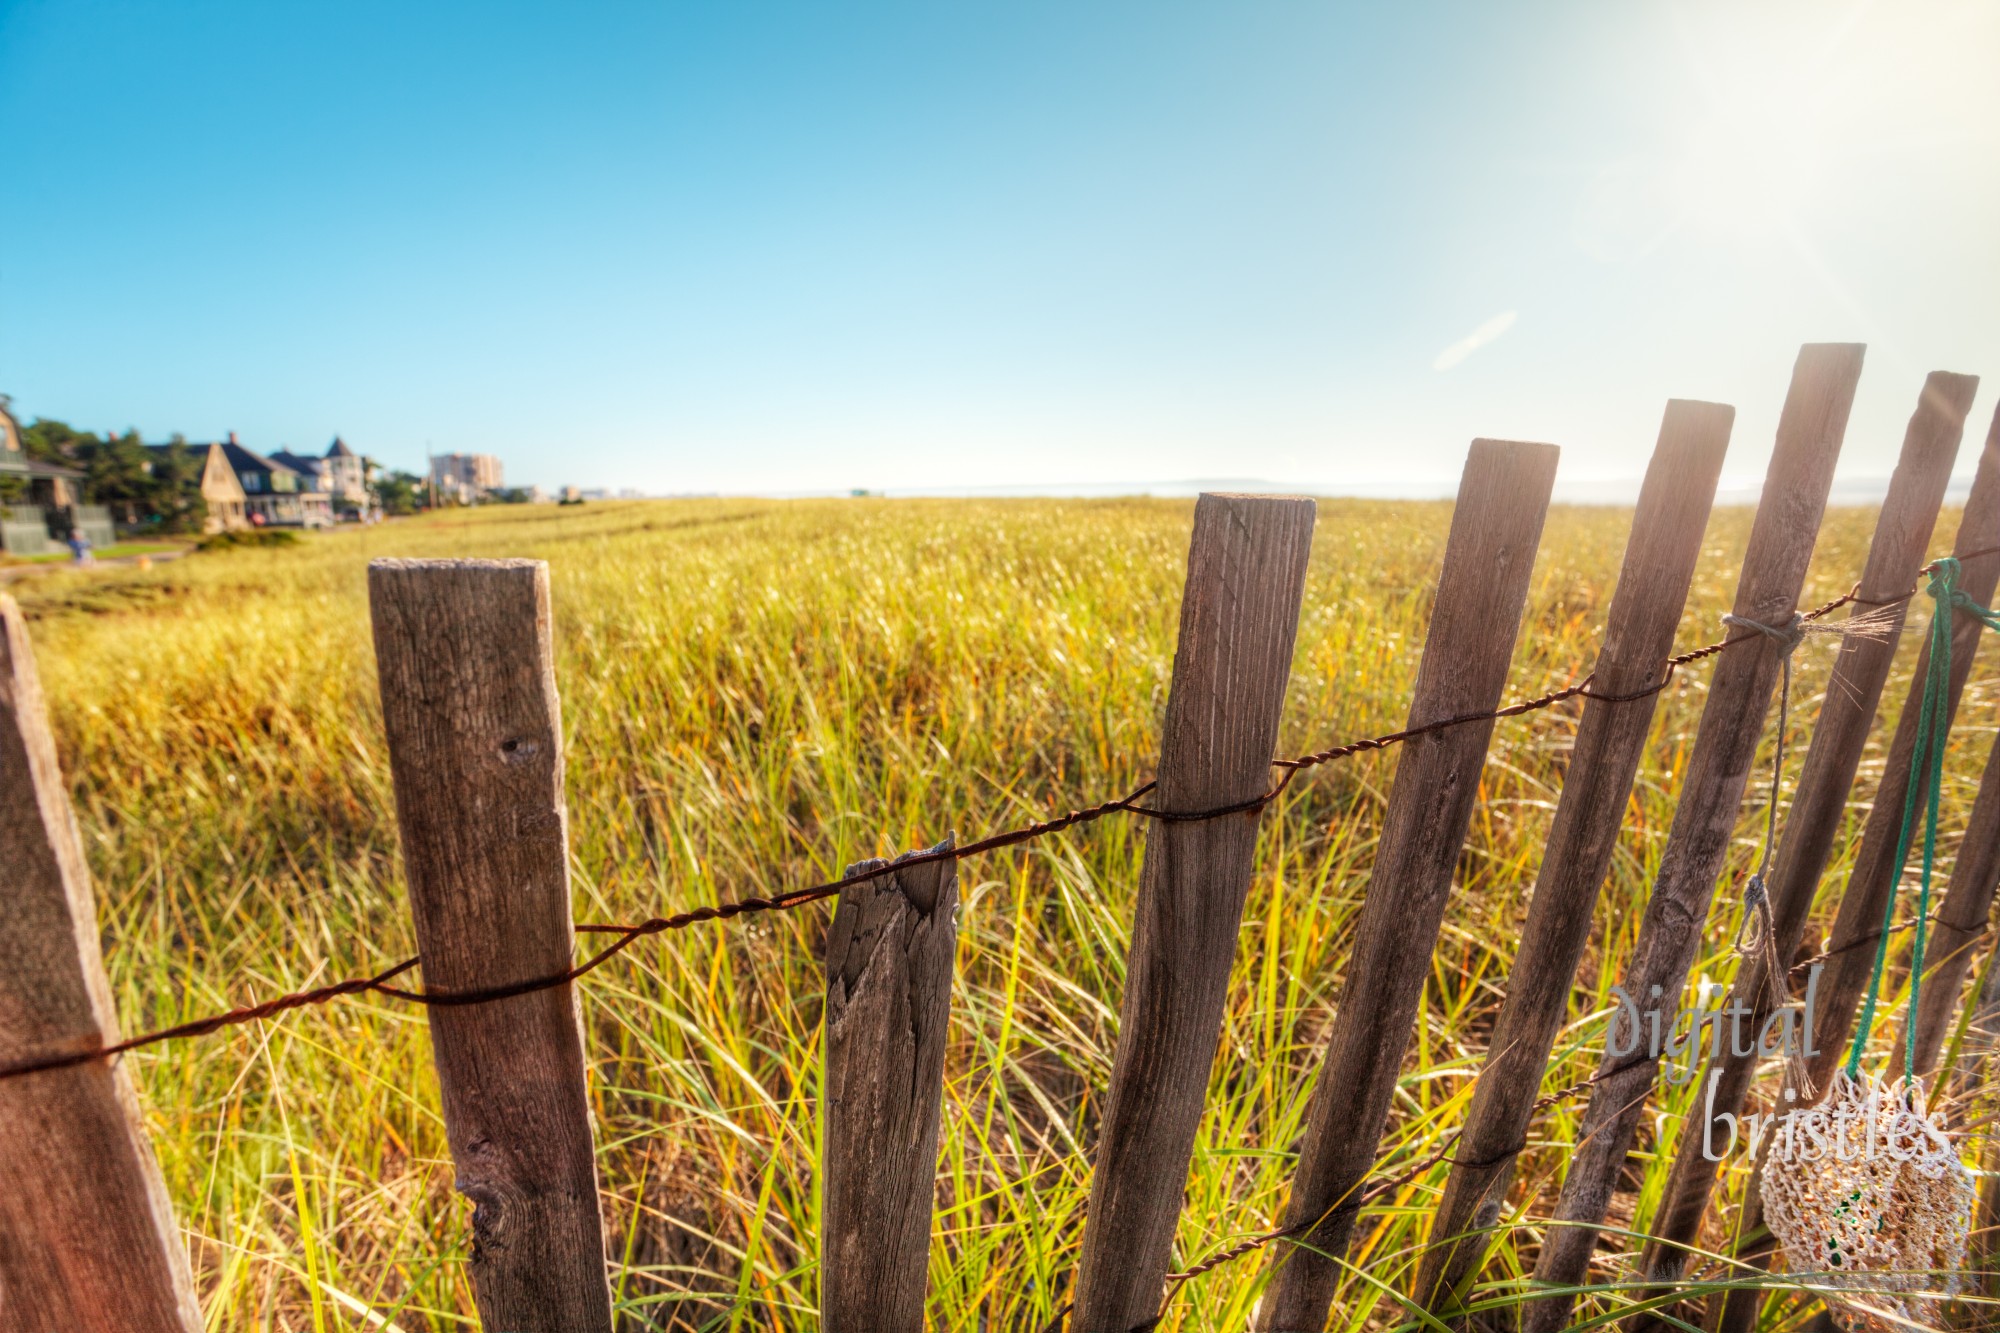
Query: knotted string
1756, 934
1926, 770
1756, 924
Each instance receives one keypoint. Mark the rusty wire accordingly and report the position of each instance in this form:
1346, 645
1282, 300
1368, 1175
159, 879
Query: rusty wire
629, 935
1129, 804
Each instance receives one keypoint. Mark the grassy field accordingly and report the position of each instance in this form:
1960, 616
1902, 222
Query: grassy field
755, 694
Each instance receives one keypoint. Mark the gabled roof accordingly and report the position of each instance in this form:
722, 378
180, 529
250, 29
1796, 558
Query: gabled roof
339, 449
299, 463
216, 483
15, 463
249, 460
243, 460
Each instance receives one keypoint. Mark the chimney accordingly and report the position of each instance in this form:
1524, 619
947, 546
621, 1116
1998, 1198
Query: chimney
232, 437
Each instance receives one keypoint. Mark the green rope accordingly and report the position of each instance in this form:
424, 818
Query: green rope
1926, 771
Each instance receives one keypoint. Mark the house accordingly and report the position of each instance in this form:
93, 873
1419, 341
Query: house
220, 491
346, 477
275, 494
340, 473
49, 505
465, 477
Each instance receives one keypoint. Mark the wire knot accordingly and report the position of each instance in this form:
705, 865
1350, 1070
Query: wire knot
1788, 635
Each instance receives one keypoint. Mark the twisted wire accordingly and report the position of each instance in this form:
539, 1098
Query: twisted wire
629, 935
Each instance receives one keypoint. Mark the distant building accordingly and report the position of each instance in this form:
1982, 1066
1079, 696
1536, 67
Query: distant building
276, 494
53, 505
338, 473
221, 493
466, 477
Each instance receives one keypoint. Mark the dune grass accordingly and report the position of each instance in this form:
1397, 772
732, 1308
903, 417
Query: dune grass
756, 694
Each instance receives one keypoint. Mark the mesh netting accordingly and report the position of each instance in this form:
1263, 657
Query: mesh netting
1867, 1195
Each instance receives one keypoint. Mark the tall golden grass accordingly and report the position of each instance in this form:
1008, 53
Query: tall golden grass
756, 694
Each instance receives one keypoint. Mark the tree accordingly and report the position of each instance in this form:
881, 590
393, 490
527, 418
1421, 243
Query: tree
56, 442
177, 500
162, 491
399, 492
119, 471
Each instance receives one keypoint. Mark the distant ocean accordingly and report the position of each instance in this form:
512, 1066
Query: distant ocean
1603, 491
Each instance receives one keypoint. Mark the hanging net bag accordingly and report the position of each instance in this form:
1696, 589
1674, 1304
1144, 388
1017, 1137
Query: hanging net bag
1865, 1190
1869, 1198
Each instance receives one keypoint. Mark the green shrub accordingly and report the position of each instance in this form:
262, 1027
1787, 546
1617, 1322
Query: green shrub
229, 541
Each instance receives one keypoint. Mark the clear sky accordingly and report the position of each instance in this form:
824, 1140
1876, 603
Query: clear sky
774, 246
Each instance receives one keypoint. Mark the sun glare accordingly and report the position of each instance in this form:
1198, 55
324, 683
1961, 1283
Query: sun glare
1780, 114
1749, 168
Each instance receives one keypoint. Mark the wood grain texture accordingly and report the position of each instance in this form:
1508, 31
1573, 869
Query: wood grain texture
88, 1242
1875, 873
1961, 924
1740, 689
1819, 798
1496, 528
1978, 529
1239, 622
475, 746
1975, 1071
888, 1005
1659, 565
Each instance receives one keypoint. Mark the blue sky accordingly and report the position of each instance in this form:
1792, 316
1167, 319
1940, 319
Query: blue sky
788, 247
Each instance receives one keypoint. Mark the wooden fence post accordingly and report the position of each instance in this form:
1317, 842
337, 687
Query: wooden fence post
1495, 531
1875, 874
1982, 1042
1961, 923
87, 1238
1645, 613
1978, 530
475, 748
1819, 799
1239, 622
889, 959
1739, 695
1962, 915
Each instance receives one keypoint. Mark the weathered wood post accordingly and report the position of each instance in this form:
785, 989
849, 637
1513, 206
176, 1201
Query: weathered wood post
1496, 529
87, 1238
1819, 800
1774, 568
1961, 923
1646, 610
1975, 1068
1875, 873
1239, 621
1978, 530
1962, 917
888, 1002
475, 748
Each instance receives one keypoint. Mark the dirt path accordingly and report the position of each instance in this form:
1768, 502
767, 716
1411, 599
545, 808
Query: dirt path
11, 573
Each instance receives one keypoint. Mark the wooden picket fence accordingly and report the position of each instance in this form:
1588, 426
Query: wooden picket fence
88, 1241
